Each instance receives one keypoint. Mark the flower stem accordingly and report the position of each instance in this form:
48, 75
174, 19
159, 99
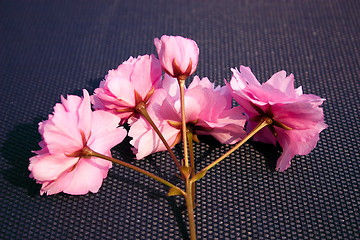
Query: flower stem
87, 152
192, 161
191, 152
265, 121
190, 208
189, 196
141, 109
183, 120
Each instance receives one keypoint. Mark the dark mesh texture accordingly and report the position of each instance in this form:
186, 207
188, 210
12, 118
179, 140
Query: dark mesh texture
53, 48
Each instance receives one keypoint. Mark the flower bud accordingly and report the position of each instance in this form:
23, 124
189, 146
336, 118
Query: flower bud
178, 55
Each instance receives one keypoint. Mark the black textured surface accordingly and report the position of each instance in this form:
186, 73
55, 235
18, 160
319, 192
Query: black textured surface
53, 48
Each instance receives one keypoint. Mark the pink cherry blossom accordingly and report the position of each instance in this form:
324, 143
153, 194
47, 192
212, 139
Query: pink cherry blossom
132, 82
178, 55
208, 112
297, 117
58, 166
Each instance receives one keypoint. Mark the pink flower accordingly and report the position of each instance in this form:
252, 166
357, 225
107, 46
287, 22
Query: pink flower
297, 117
59, 166
132, 82
208, 112
178, 55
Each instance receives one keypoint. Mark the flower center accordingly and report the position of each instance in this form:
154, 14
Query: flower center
268, 114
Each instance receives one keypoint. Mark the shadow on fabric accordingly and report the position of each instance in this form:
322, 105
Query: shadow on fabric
269, 151
16, 150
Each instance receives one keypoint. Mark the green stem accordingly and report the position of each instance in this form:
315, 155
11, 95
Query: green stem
190, 208
141, 109
189, 199
265, 121
87, 152
183, 121
191, 152
192, 162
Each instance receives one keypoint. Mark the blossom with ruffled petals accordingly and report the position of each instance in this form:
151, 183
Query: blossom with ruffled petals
297, 117
208, 112
132, 82
178, 55
59, 166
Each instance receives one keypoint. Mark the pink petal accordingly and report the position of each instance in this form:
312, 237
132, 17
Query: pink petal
49, 167
248, 76
229, 128
211, 102
61, 132
171, 86
155, 103
105, 132
170, 110
192, 107
297, 142
281, 82
71, 103
84, 114
298, 115
88, 176
59, 141
121, 87
284, 160
146, 73
145, 139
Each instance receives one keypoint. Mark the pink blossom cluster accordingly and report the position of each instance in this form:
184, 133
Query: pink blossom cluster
297, 117
151, 83
72, 126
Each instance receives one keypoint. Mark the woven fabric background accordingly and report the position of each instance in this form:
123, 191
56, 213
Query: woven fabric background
53, 48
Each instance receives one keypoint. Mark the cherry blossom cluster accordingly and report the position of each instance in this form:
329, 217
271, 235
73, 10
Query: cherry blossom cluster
145, 92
